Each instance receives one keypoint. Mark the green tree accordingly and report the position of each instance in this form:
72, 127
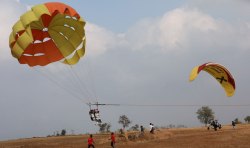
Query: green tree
108, 127
135, 127
247, 119
63, 132
124, 121
205, 114
237, 121
104, 127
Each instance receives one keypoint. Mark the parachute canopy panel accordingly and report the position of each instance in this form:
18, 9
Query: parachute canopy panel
219, 72
48, 33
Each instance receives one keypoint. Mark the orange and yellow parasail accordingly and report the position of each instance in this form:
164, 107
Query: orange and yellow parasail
48, 33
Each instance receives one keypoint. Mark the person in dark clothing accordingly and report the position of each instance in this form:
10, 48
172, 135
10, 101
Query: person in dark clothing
233, 124
142, 129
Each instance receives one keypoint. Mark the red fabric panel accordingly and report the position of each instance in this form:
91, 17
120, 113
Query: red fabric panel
49, 49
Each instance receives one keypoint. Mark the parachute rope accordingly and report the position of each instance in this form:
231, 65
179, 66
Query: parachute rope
91, 77
176, 105
82, 84
72, 93
79, 84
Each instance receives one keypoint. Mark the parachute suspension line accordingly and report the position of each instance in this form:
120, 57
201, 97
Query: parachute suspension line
91, 76
82, 84
77, 83
178, 105
72, 82
50, 78
168, 105
60, 86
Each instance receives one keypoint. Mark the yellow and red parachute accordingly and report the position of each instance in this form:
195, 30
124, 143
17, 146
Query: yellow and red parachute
219, 72
48, 33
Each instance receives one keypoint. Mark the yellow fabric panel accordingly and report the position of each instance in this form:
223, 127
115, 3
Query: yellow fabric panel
220, 75
17, 27
82, 51
60, 20
29, 32
37, 25
73, 60
66, 38
76, 57
28, 17
82, 20
24, 40
193, 73
74, 37
40, 10
65, 47
34, 14
11, 38
216, 72
229, 89
17, 51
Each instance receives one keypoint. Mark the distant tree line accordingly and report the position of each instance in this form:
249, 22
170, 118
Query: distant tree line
205, 114
247, 119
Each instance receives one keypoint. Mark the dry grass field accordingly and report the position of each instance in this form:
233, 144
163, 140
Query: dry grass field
163, 138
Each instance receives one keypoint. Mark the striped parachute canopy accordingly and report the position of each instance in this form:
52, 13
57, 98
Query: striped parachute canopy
48, 33
219, 72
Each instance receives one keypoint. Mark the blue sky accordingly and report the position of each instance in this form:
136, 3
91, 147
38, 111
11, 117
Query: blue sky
137, 52
117, 16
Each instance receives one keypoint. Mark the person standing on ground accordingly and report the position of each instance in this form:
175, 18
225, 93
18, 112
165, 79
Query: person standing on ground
112, 140
151, 127
142, 129
233, 124
91, 142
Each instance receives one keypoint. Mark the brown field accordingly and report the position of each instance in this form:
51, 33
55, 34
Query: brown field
163, 138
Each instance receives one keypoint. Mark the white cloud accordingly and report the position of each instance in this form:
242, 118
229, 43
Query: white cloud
172, 30
99, 40
10, 12
184, 28
176, 26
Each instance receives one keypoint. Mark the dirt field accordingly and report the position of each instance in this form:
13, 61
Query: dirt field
163, 138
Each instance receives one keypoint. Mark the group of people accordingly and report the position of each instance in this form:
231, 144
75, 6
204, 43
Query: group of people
151, 128
91, 141
95, 116
214, 124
